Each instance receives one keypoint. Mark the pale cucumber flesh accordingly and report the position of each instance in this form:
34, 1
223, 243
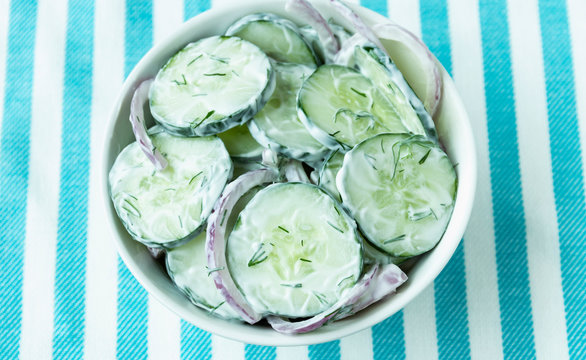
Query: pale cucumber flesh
293, 250
401, 191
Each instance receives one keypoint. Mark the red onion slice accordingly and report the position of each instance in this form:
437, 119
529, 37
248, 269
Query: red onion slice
306, 11
378, 282
359, 25
140, 96
216, 240
294, 171
433, 91
386, 280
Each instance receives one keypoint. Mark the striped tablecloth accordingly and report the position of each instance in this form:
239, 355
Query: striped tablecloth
515, 287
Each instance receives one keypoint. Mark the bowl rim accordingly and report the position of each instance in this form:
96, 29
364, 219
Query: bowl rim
266, 336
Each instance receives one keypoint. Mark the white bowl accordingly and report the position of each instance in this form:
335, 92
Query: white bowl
455, 133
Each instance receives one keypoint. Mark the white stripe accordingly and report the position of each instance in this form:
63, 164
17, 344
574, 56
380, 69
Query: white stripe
164, 332
576, 15
292, 353
420, 328
102, 261
43, 189
406, 14
4, 11
167, 16
357, 346
536, 176
479, 243
224, 349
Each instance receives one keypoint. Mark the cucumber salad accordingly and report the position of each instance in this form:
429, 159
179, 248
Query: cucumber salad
291, 169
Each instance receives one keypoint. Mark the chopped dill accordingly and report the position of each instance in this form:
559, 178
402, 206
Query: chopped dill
181, 83
358, 92
298, 285
180, 222
382, 147
194, 124
370, 160
422, 160
304, 260
335, 227
397, 238
196, 95
344, 279
210, 271
217, 306
134, 210
215, 74
195, 59
258, 256
320, 297
282, 228
219, 59
223, 217
335, 133
195, 176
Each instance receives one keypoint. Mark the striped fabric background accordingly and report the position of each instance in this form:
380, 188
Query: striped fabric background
514, 289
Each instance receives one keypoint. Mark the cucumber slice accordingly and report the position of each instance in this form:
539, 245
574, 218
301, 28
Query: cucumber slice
328, 172
187, 267
166, 208
211, 86
240, 144
293, 250
341, 107
277, 126
279, 38
401, 191
376, 65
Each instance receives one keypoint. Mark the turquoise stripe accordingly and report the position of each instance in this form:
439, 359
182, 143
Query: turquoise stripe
69, 322
195, 342
253, 352
435, 30
566, 157
14, 162
451, 312
325, 351
388, 339
376, 5
450, 286
508, 212
194, 7
132, 298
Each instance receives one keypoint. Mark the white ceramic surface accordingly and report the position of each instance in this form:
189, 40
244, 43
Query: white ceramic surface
455, 133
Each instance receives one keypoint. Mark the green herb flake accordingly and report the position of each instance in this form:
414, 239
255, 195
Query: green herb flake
304, 260
335, 133
298, 285
178, 83
335, 227
301, 242
195, 59
210, 271
134, 210
358, 92
217, 306
282, 228
397, 238
196, 95
195, 124
180, 222
215, 74
223, 217
219, 59
382, 146
370, 160
320, 297
194, 177
258, 256
421, 215
422, 160
344, 279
